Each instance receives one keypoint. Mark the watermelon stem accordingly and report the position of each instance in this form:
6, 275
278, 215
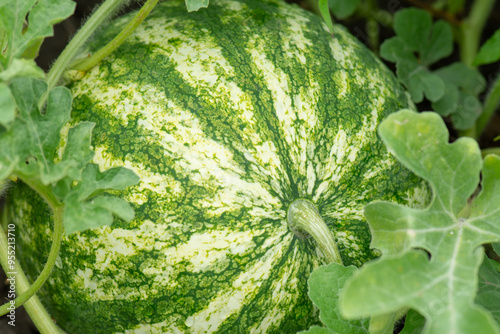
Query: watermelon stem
57, 209
86, 64
305, 220
37, 312
102, 14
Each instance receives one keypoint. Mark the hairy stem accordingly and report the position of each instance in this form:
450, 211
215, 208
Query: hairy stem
57, 209
304, 220
103, 13
87, 63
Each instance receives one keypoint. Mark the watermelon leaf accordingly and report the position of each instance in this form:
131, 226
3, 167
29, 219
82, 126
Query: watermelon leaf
325, 284
81, 215
22, 68
30, 151
22, 34
488, 294
24, 24
431, 41
453, 90
34, 137
417, 35
8, 110
117, 178
489, 51
30, 145
420, 81
460, 101
86, 210
431, 256
414, 323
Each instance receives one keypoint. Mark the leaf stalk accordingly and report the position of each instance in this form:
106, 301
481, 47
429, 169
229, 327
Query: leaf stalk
107, 9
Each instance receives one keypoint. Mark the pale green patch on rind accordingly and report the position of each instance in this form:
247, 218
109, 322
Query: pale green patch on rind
291, 110
208, 161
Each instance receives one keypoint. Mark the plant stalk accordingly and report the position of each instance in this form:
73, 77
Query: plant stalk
87, 63
471, 29
489, 107
57, 209
304, 219
107, 9
33, 306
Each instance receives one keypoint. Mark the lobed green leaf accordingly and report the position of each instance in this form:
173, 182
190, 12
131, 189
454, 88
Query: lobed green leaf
27, 22
418, 44
117, 178
22, 68
460, 101
32, 150
431, 256
419, 81
325, 284
84, 209
413, 26
431, 41
81, 215
30, 143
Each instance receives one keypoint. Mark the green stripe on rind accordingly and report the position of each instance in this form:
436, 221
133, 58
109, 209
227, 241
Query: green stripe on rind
226, 127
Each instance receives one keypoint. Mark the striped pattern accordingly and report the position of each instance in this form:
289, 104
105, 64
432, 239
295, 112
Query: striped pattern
227, 115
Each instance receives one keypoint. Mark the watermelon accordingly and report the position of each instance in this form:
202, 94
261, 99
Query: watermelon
228, 115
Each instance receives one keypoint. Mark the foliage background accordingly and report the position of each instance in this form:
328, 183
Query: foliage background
378, 24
